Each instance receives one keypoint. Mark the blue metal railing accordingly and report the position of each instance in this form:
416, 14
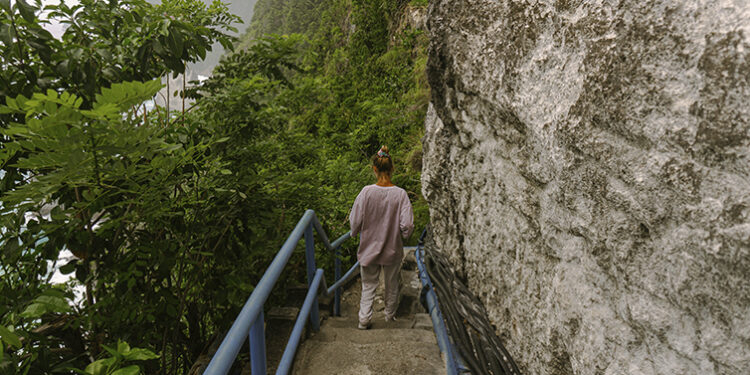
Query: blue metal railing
447, 349
250, 321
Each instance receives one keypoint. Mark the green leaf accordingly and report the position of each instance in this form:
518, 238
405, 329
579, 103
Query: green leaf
69, 268
104, 53
16, 130
5, 4
99, 367
88, 195
63, 68
41, 34
138, 354
11, 103
170, 148
54, 304
171, 310
5, 35
12, 248
41, 48
130, 370
58, 214
111, 351
159, 48
27, 11
226, 171
164, 30
126, 94
175, 43
33, 311
9, 337
54, 292
123, 347
45, 304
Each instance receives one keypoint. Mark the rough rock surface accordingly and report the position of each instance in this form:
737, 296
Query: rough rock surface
587, 166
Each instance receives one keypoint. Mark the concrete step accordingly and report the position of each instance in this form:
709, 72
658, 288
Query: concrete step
352, 322
421, 321
381, 358
406, 346
371, 336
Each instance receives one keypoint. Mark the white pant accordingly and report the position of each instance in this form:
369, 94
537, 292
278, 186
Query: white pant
370, 275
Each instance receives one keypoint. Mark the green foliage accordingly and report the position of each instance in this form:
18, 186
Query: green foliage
171, 226
45, 304
85, 168
109, 42
9, 338
359, 83
286, 17
270, 57
107, 181
119, 357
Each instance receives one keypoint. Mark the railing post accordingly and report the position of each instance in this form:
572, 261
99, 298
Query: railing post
258, 346
310, 257
337, 292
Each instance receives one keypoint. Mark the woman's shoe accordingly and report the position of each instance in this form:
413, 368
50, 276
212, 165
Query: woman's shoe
364, 326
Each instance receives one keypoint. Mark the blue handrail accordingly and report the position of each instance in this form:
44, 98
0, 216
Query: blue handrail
450, 356
249, 322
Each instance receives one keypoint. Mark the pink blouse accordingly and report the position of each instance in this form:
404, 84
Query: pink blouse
382, 215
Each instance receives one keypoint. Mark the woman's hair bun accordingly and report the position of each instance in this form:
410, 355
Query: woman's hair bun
382, 160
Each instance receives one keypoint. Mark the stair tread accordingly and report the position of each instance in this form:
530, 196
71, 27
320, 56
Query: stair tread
406, 346
373, 358
354, 335
377, 323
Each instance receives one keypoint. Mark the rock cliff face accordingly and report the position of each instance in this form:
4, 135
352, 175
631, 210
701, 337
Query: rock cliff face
587, 165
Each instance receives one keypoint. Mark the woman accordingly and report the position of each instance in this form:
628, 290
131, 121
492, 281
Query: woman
382, 216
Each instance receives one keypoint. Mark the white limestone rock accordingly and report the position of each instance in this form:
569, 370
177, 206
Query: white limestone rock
587, 168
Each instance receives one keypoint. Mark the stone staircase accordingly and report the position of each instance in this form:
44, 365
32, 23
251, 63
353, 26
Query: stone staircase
406, 346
